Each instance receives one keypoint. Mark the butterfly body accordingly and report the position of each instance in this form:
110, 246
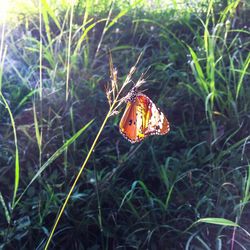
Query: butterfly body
142, 118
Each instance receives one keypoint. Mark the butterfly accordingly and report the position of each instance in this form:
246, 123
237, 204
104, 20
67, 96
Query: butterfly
142, 118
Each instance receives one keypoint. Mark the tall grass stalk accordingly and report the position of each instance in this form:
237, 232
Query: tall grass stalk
99, 206
80, 172
109, 23
69, 49
113, 106
44, 11
209, 70
39, 134
78, 175
104, 31
16, 157
2, 57
40, 52
242, 74
244, 201
3, 51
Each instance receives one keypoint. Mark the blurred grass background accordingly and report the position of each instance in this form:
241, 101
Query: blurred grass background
54, 66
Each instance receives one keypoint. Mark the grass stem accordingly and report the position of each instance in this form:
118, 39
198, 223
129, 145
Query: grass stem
81, 169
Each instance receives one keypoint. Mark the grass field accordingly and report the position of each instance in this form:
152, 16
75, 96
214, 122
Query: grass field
69, 180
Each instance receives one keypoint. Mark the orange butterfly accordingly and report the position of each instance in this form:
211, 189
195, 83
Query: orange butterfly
142, 118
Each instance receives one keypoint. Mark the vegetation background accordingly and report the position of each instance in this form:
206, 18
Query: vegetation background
186, 190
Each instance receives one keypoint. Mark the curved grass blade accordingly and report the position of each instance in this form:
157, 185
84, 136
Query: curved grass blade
17, 166
218, 221
25, 99
53, 157
243, 73
6, 212
122, 13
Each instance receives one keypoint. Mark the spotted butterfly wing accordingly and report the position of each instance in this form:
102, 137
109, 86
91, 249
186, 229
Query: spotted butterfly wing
142, 118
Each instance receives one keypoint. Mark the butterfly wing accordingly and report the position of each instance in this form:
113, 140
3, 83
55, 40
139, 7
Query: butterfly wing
141, 119
127, 124
156, 121
134, 119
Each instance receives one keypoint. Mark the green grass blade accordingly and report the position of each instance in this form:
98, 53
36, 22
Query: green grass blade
243, 73
122, 13
246, 194
69, 51
84, 35
198, 68
2, 57
128, 196
54, 156
38, 135
198, 72
26, 98
218, 221
6, 212
17, 166
51, 13
207, 107
44, 11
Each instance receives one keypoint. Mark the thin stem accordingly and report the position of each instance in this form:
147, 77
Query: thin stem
99, 206
69, 51
2, 53
40, 84
81, 169
111, 109
103, 33
40, 51
17, 167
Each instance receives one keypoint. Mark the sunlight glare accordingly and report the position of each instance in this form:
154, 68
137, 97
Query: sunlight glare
4, 7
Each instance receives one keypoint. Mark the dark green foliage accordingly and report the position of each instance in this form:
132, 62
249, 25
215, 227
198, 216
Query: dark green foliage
141, 196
